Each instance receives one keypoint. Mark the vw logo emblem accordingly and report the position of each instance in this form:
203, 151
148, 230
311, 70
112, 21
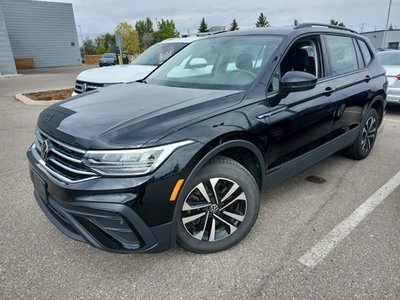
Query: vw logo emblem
214, 208
84, 87
45, 149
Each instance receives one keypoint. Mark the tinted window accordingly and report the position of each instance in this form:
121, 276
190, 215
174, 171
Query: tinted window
365, 52
342, 54
108, 55
158, 53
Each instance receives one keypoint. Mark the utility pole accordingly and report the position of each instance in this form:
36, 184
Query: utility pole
83, 44
387, 23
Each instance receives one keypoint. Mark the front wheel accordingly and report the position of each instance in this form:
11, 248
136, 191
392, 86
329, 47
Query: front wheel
220, 208
366, 138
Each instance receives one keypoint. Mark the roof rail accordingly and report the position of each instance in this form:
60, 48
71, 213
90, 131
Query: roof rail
304, 25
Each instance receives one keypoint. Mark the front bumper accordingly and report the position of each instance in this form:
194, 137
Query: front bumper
113, 214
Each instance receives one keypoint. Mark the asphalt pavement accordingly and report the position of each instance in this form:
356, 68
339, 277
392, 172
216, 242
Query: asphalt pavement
38, 262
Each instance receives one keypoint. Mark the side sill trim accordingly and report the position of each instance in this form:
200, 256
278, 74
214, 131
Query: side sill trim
308, 159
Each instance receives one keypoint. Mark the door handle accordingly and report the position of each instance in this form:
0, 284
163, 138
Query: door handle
367, 78
328, 91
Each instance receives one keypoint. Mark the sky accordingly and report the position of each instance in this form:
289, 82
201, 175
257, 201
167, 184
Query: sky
96, 17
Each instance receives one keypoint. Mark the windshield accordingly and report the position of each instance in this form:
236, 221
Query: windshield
389, 58
231, 62
158, 53
108, 55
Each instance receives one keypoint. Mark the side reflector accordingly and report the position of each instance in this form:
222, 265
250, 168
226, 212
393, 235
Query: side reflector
176, 190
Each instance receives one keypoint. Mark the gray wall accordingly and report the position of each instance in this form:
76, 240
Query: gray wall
7, 65
376, 37
45, 31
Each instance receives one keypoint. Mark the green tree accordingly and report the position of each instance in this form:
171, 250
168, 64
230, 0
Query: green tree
166, 30
295, 22
145, 31
262, 21
130, 37
147, 40
203, 26
336, 23
89, 46
105, 42
234, 25
100, 46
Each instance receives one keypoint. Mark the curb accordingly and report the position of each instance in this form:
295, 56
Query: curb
28, 101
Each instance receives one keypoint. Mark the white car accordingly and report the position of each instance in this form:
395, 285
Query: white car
390, 60
143, 65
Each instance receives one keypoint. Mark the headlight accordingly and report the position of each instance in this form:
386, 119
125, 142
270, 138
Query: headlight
129, 162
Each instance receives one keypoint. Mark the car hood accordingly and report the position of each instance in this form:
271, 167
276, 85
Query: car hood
128, 115
116, 74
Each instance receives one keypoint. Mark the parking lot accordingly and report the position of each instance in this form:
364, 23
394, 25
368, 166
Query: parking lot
334, 239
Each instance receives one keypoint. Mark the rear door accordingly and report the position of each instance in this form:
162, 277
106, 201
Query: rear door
351, 77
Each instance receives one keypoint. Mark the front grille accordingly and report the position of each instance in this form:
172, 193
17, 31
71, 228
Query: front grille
63, 161
83, 86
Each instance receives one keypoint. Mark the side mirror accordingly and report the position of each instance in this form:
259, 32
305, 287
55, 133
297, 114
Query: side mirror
197, 63
297, 81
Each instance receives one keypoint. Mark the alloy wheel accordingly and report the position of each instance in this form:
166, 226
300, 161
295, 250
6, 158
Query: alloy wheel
214, 209
368, 134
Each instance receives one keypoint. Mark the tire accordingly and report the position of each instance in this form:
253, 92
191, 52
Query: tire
362, 146
220, 208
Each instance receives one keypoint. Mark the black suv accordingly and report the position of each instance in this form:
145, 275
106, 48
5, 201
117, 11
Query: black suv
183, 155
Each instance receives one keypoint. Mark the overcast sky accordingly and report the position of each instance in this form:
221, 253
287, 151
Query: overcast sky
101, 16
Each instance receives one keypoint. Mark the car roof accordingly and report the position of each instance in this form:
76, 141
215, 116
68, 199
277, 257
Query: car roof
289, 30
188, 40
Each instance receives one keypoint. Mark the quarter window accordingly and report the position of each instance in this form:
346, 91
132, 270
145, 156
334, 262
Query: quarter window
365, 52
342, 54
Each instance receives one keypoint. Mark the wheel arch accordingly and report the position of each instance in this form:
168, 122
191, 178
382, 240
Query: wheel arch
238, 146
378, 103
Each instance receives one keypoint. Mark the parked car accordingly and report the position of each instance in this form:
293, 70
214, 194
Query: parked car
390, 60
183, 154
108, 59
146, 62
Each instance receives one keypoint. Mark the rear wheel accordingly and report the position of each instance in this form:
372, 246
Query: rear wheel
220, 208
366, 138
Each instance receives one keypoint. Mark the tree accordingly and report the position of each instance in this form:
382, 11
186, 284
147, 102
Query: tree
262, 21
129, 36
166, 30
89, 46
336, 23
105, 43
147, 40
100, 46
295, 22
234, 25
203, 26
145, 31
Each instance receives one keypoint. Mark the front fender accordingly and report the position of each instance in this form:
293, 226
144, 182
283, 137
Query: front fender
196, 165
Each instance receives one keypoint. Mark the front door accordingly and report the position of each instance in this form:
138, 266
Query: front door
300, 120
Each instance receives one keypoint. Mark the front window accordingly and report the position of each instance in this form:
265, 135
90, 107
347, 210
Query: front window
158, 53
231, 62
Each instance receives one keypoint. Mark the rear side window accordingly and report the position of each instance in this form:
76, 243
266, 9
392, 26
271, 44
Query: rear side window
365, 52
342, 54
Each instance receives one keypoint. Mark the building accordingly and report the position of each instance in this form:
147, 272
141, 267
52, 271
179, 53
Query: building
392, 39
37, 34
